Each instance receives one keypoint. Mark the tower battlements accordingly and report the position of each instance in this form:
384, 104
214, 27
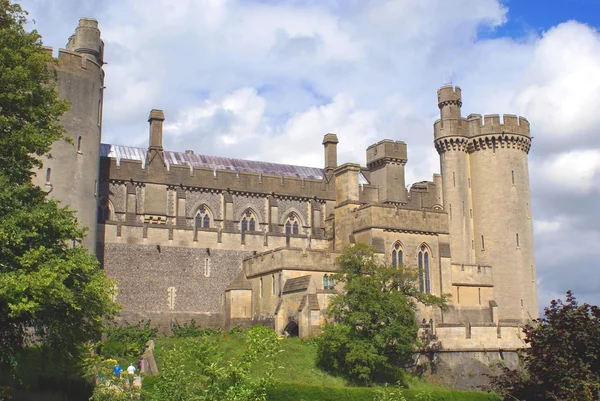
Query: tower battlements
490, 124
449, 95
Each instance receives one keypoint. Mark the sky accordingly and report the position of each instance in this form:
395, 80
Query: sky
266, 79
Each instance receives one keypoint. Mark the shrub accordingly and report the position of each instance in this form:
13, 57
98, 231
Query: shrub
196, 369
236, 330
127, 340
307, 392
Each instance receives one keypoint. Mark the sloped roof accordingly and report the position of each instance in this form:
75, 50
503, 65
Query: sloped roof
311, 300
217, 163
296, 284
239, 283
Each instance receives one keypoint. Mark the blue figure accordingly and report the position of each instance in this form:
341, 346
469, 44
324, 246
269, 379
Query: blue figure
118, 370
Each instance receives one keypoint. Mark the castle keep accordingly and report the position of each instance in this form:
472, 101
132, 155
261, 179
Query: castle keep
227, 241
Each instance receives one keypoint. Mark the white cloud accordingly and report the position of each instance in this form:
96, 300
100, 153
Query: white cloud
575, 170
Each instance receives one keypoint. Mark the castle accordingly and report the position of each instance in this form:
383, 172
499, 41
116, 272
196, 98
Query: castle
234, 242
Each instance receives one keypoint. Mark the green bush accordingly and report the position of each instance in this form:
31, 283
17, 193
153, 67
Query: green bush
127, 340
190, 329
307, 392
236, 330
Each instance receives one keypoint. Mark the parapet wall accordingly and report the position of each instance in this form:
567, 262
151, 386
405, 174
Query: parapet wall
399, 219
290, 258
475, 125
245, 182
75, 62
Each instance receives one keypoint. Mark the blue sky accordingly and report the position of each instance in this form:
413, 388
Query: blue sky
267, 79
525, 16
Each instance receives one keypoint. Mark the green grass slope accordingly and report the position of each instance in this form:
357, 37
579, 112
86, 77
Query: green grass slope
298, 377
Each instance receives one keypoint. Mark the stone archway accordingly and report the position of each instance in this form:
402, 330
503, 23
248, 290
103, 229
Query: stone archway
292, 329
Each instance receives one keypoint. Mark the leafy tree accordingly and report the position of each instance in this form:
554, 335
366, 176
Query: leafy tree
562, 361
373, 328
49, 284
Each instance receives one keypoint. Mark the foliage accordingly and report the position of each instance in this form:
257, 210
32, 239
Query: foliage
236, 330
109, 387
127, 340
309, 392
563, 357
47, 286
190, 329
213, 376
373, 329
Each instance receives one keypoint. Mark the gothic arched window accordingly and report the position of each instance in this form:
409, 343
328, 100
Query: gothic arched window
104, 209
203, 217
424, 282
248, 222
397, 255
292, 227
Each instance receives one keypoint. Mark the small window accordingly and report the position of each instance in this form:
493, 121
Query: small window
48, 174
104, 210
454, 178
397, 255
331, 282
79, 144
423, 262
325, 281
458, 295
261, 287
248, 222
450, 212
479, 292
207, 267
272, 284
291, 225
482, 242
203, 217
472, 244
471, 212
513, 177
171, 298
518, 245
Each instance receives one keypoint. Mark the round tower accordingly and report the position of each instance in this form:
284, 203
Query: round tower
451, 142
70, 171
502, 214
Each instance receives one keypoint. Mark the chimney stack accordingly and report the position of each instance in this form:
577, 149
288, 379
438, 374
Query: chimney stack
330, 142
156, 119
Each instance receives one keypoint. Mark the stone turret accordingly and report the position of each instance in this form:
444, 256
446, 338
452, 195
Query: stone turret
71, 175
386, 160
486, 195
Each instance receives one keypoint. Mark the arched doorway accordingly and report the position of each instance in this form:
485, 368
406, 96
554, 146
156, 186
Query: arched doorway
291, 329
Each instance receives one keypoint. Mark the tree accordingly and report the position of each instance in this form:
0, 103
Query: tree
373, 326
52, 290
562, 361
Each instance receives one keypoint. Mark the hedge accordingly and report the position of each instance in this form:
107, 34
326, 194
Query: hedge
306, 392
